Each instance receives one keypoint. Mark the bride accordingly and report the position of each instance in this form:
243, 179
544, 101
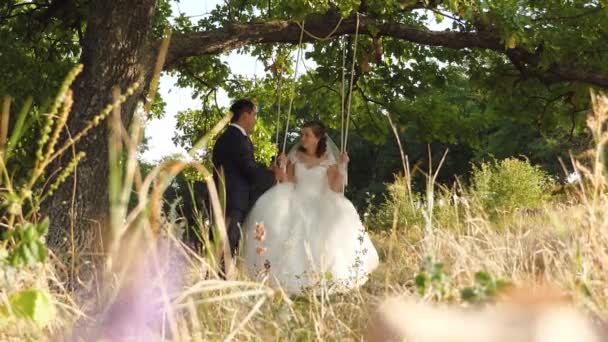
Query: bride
303, 233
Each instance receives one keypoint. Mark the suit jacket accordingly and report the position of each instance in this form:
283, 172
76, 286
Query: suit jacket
244, 180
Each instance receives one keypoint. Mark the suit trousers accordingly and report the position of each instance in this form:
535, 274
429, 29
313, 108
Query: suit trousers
234, 220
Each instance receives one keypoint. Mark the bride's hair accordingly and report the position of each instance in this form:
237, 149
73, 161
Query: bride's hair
319, 130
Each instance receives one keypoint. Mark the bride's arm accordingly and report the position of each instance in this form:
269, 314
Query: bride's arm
336, 181
291, 175
336, 178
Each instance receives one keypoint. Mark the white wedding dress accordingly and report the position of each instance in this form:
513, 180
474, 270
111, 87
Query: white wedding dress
312, 236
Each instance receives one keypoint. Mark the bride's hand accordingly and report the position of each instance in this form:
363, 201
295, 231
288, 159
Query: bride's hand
280, 175
344, 159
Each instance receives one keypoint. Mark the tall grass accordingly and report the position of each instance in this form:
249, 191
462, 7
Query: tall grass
156, 288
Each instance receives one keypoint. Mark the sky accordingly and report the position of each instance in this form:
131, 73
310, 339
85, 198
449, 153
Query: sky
161, 131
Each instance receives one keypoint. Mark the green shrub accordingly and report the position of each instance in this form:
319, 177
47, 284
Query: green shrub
410, 208
397, 198
509, 184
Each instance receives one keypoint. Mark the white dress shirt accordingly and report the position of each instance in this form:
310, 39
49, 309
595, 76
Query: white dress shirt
239, 127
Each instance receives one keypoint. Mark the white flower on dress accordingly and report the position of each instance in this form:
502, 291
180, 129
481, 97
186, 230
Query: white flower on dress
260, 232
260, 251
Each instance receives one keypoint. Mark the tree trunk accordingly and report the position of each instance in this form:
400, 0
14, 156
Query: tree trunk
115, 52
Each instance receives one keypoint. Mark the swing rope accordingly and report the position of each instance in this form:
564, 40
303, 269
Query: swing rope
345, 104
343, 97
279, 88
327, 37
350, 91
295, 77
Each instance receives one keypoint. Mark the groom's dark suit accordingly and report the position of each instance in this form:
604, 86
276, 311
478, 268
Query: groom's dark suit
244, 180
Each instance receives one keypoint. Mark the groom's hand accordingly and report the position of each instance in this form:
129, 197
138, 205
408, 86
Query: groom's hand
279, 168
280, 174
282, 161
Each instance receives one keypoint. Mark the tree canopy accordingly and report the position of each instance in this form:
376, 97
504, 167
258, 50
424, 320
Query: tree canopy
503, 78
483, 77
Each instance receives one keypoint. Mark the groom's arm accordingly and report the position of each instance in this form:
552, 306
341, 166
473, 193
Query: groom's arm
244, 161
252, 171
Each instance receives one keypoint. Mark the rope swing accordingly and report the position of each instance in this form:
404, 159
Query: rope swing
345, 104
293, 92
279, 86
350, 89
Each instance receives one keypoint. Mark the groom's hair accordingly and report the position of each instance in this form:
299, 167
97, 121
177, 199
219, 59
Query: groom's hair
239, 107
319, 130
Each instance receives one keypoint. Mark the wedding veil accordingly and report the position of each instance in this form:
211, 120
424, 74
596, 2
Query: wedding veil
332, 156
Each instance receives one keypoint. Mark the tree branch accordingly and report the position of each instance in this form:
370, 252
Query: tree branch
369, 99
238, 35
372, 117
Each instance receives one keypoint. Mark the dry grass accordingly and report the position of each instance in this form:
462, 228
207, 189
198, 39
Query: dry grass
531, 252
557, 246
164, 291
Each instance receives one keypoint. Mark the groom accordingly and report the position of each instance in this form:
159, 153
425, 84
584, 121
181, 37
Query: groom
236, 171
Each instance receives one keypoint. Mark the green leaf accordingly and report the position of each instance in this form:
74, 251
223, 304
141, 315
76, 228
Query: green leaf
483, 278
16, 259
18, 131
42, 251
29, 233
27, 255
43, 227
34, 305
468, 294
510, 42
34, 248
421, 283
